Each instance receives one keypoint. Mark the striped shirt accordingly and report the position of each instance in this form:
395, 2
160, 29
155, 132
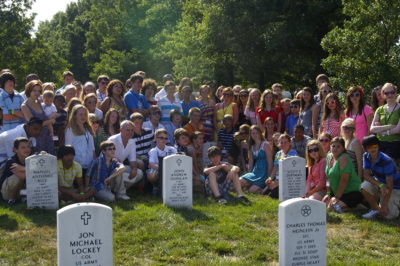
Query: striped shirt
226, 138
66, 177
166, 106
144, 142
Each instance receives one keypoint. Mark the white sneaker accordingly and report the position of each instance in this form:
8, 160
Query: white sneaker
371, 214
123, 197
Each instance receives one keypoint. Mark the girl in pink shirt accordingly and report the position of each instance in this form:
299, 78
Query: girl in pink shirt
316, 181
359, 111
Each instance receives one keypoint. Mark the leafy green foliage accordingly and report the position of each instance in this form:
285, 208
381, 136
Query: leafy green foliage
365, 50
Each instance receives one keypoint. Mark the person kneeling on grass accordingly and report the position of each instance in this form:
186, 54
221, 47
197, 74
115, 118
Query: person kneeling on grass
69, 172
220, 176
105, 174
156, 157
14, 175
381, 180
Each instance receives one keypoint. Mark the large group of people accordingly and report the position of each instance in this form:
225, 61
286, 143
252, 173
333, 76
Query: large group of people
110, 136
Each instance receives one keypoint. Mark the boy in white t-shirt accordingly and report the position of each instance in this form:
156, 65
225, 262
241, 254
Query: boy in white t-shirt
49, 109
156, 156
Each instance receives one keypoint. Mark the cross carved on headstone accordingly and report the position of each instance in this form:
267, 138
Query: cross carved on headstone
86, 217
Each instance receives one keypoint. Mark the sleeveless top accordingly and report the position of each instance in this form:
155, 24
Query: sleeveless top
222, 112
122, 111
331, 126
305, 119
386, 118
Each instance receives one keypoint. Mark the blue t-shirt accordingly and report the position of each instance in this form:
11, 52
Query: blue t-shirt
135, 100
291, 121
383, 167
186, 107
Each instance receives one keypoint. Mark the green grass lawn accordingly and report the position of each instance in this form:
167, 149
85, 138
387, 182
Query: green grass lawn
146, 232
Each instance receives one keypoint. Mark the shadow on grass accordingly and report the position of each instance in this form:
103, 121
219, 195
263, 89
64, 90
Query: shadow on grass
8, 223
389, 223
191, 215
333, 218
39, 217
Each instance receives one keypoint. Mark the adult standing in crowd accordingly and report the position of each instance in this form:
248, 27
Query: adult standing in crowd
134, 100
306, 107
207, 112
162, 93
68, 78
226, 107
10, 102
101, 92
252, 103
115, 99
386, 122
267, 109
359, 111
32, 107
79, 134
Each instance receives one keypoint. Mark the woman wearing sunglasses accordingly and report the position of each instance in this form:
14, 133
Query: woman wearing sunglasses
386, 123
333, 115
359, 111
316, 180
325, 140
226, 107
352, 145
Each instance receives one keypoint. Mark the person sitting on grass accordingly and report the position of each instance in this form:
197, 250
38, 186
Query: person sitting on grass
272, 182
156, 156
182, 141
14, 175
220, 176
197, 149
69, 172
344, 183
105, 174
316, 180
381, 186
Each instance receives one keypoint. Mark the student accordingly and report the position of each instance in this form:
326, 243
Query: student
220, 176
154, 119
225, 139
182, 140
169, 102
316, 180
197, 140
49, 109
98, 136
293, 118
143, 138
175, 123
105, 174
333, 115
134, 100
381, 186
187, 102
69, 172
194, 123
299, 140
13, 179
156, 156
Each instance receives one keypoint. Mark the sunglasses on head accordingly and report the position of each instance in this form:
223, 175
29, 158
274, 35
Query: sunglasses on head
313, 150
355, 94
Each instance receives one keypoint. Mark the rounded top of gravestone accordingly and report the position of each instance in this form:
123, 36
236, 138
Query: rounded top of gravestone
301, 200
83, 204
43, 153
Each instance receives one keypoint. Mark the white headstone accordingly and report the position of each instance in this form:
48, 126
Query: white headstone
41, 181
206, 146
302, 232
292, 178
177, 184
84, 235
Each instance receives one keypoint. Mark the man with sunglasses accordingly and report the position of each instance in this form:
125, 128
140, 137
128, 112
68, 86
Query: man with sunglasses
381, 180
105, 174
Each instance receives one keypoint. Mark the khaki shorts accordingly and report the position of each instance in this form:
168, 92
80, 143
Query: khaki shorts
9, 186
394, 200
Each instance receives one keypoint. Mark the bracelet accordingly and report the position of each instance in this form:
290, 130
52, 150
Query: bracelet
381, 185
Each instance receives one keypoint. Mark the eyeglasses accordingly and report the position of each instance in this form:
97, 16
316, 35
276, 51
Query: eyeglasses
389, 93
313, 150
155, 113
294, 106
110, 149
326, 91
324, 140
355, 94
348, 128
162, 138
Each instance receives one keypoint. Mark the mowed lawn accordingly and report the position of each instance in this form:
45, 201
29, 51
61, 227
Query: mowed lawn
146, 232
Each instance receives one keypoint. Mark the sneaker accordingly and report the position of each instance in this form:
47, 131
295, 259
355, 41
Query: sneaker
123, 197
243, 199
11, 202
338, 209
371, 214
221, 200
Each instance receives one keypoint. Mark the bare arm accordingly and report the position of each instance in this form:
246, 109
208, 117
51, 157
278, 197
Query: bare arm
279, 126
315, 114
376, 126
358, 150
105, 105
268, 153
212, 169
235, 114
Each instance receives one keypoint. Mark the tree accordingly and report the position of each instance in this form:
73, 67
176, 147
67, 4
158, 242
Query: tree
365, 50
